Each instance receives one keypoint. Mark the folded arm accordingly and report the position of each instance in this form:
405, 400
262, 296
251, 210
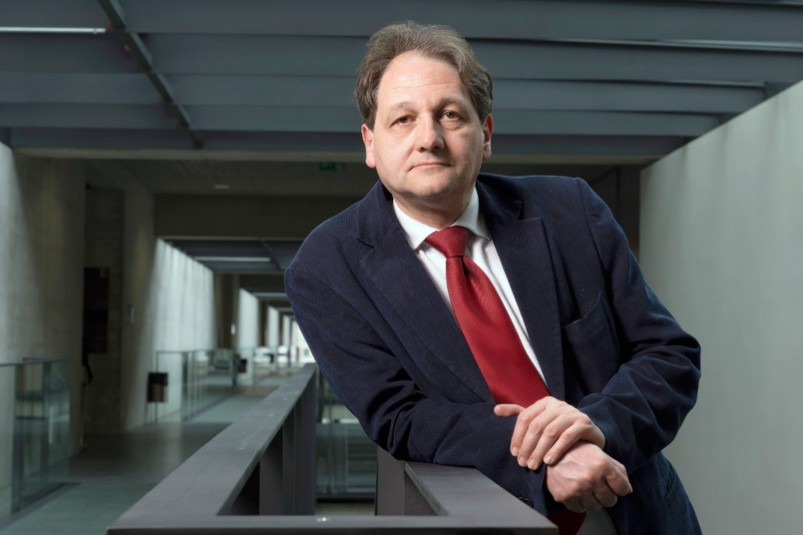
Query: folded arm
356, 353
641, 407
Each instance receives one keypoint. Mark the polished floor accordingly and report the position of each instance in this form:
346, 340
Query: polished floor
115, 471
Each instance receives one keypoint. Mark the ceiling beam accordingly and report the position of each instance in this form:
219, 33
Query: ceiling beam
101, 139
77, 88
255, 90
239, 217
593, 123
275, 91
507, 121
340, 56
134, 43
204, 90
582, 148
262, 283
65, 53
52, 14
509, 19
342, 120
637, 62
290, 146
625, 96
111, 116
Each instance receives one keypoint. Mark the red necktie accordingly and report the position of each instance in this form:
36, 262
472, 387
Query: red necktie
494, 342
482, 317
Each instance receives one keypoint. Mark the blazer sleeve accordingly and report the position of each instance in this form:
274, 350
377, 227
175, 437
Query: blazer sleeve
355, 352
641, 407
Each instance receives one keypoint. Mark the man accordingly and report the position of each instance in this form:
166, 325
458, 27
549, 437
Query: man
604, 375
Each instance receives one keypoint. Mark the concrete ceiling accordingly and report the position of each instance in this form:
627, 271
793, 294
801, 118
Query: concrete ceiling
244, 97
241, 79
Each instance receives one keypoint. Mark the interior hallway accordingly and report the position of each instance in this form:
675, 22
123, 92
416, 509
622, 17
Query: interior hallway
116, 470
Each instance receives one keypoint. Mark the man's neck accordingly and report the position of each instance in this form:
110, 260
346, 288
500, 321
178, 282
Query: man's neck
438, 217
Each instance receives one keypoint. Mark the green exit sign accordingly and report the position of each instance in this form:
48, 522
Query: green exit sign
332, 166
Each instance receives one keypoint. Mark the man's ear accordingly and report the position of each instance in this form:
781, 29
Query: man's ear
368, 141
487, 130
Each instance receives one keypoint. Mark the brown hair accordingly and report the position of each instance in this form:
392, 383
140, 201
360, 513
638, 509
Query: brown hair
439, 42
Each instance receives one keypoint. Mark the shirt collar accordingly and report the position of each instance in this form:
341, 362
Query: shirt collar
416, 232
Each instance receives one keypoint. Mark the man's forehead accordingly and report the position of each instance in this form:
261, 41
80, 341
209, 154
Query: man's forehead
408, 65
410, 72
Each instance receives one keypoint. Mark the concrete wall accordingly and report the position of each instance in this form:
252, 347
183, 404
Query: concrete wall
103, 249
41, 285
167, 299
722, 244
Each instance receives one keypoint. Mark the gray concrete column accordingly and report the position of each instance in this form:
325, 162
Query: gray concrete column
227, 292
273, 333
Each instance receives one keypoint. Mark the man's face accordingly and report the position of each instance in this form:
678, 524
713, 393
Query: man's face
427, 144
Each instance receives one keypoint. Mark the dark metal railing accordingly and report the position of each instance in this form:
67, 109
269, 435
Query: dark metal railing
258, 477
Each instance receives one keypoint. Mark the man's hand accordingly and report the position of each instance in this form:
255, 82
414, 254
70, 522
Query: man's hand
547, 429
587, 478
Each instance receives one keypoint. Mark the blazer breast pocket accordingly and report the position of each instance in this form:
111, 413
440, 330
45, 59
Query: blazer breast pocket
592, 347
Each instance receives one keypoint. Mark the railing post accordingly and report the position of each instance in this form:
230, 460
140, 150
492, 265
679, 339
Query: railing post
306, 472
271, 477
287, 468
389, 484
396, 494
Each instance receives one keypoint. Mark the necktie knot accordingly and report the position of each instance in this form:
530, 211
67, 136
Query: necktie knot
450, 241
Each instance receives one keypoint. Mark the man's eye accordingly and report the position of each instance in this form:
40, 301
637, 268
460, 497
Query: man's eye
451, 115
402, 120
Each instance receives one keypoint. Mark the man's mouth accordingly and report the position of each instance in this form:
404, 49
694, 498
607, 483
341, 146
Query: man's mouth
430, 165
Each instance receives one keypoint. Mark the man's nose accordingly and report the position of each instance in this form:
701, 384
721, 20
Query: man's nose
429, 135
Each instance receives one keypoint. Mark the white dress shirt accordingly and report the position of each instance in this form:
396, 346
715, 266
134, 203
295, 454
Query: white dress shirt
480, 248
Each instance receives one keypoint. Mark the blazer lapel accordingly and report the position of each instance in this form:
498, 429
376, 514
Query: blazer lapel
401, 280
522, 244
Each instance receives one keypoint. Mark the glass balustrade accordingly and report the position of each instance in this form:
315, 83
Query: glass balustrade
34, 431
346, 456
187, 382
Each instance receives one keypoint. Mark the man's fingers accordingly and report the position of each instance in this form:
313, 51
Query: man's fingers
546, 430
590, 503
507, 409
553, 452
559, 437
606, 497
511, 409
524, 423
575, 506
618, 481
517, 440
586, 478
553, 441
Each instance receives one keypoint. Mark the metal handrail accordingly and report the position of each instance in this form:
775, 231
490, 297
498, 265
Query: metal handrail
258, 476
30, 361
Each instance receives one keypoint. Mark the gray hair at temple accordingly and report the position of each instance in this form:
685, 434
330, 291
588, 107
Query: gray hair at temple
438, 42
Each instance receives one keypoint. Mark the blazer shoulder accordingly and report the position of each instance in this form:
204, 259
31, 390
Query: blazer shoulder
325, 240
531, 185
539, 194
343, 237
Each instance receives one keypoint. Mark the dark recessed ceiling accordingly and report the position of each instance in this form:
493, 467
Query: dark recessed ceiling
240, 256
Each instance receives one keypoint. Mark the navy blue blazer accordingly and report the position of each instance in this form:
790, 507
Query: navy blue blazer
395, 356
